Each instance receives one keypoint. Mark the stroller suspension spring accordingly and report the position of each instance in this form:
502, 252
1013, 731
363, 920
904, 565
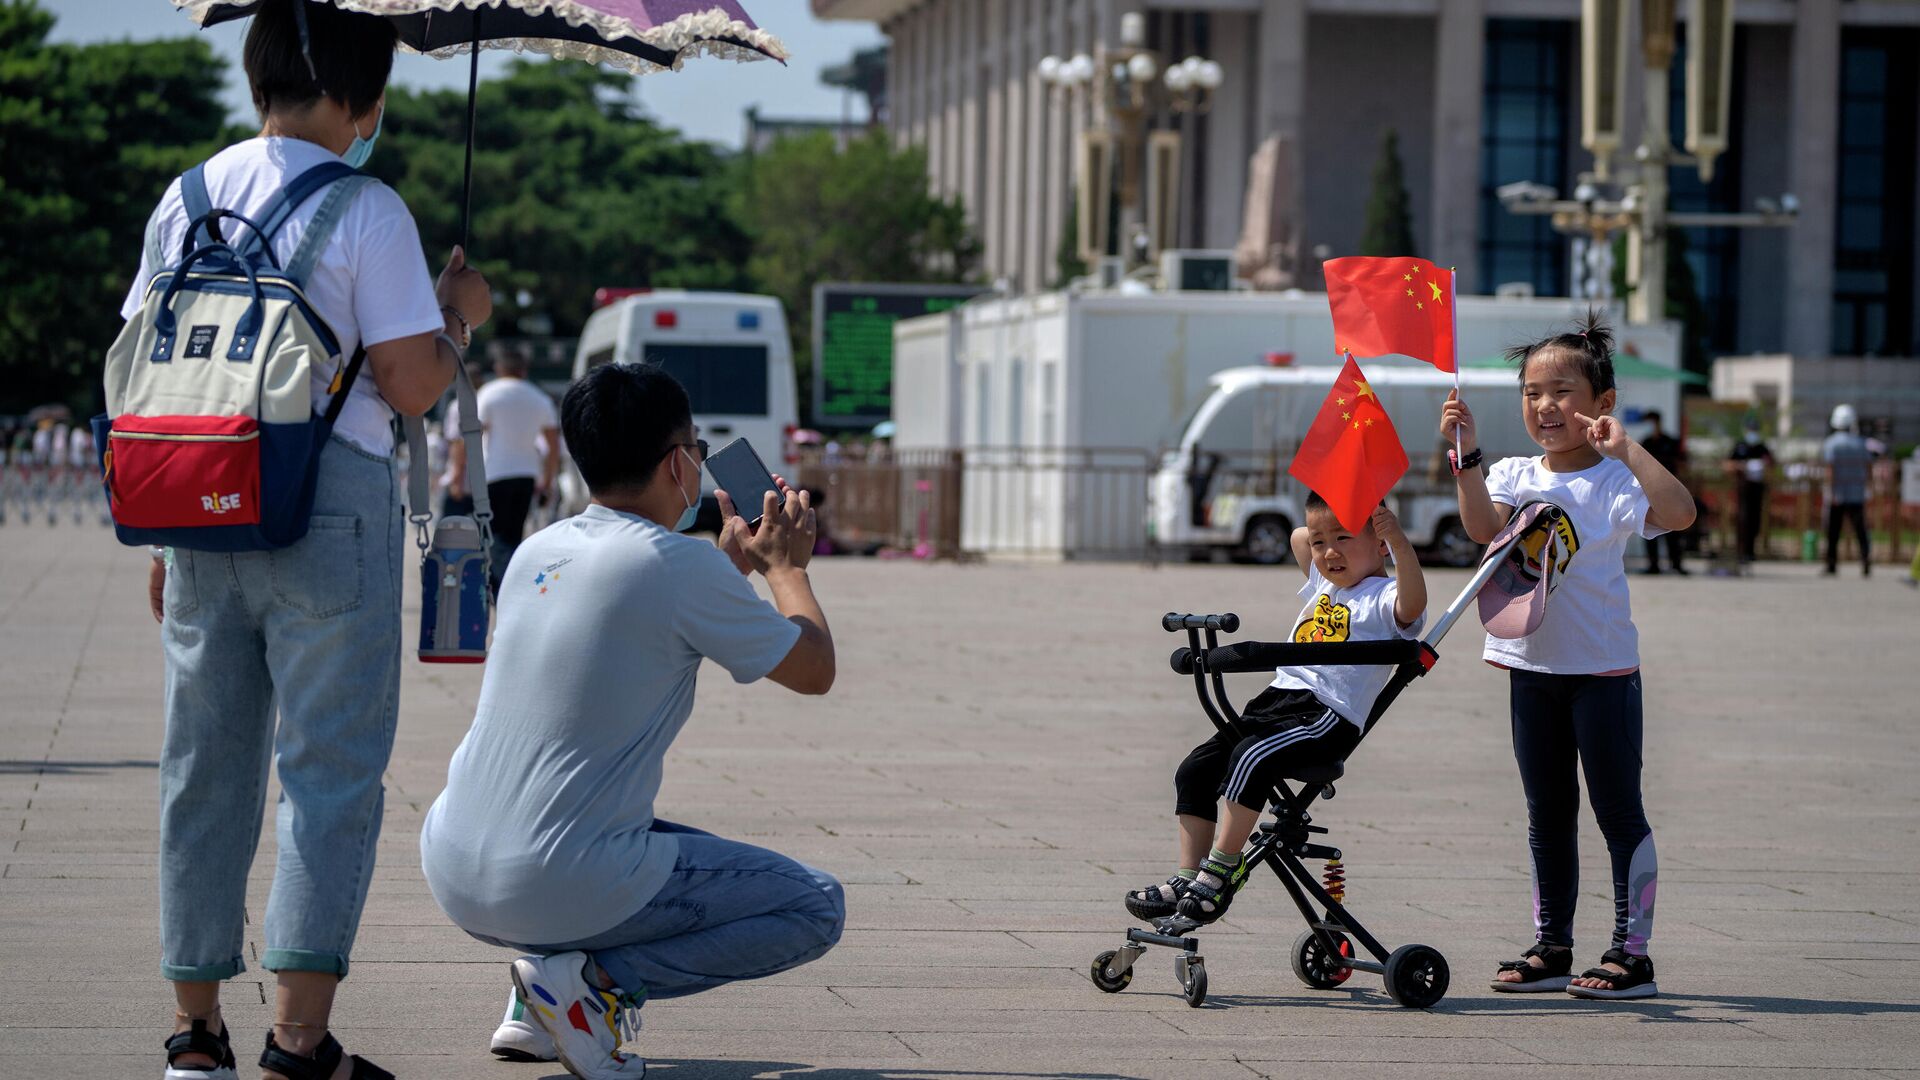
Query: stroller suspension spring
1334, 880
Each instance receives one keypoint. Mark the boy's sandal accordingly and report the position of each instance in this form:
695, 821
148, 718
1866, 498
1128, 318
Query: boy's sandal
1636, 982
1550, 974
199, 1040
1151, 902
1204, 903
326, 1058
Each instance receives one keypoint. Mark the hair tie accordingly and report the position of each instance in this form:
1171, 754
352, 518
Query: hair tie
1583, 333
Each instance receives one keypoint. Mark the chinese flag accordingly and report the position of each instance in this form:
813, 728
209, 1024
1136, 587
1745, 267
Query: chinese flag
1351, 455
1392, 305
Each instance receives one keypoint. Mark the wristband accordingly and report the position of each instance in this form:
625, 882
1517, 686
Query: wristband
1461, 464
466, 328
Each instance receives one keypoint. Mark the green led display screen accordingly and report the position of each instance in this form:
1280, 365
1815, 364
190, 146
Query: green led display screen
853, 345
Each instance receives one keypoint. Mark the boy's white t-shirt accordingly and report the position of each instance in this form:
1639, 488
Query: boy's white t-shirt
371, 284
1361, 613
1588, 628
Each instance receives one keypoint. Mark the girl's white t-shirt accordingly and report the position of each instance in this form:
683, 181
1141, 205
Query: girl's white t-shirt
1588, 628
371, 284
1331, 613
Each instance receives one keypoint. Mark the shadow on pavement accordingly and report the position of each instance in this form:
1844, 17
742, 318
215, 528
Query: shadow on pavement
682, 1069
17, 767
1667, 1008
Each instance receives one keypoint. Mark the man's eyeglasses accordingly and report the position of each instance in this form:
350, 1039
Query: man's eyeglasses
699, 445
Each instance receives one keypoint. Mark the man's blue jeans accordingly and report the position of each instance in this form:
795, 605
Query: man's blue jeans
312, 630
730, 911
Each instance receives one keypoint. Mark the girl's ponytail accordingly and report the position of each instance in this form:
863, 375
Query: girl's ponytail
1589, 344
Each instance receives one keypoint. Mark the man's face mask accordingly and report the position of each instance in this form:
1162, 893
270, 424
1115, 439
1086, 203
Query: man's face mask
693, 504
1752, 437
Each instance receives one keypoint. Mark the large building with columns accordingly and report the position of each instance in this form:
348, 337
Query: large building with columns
1481, 93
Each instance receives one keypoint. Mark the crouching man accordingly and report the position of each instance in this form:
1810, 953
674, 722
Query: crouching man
545, 839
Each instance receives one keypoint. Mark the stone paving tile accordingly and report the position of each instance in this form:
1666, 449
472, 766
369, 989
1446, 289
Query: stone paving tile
990, 774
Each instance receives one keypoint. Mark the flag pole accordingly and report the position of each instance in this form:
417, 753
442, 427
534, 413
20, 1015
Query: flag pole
1453, 289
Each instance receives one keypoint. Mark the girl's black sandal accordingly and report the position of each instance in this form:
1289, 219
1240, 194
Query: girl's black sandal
1549, 975
199, 1040
1637, 982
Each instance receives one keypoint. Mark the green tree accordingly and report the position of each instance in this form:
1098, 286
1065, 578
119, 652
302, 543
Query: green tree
574, 188
815, 212
90, 135
1389, 228
1066, 259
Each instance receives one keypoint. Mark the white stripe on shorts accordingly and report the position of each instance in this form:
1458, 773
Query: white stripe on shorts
1265, 748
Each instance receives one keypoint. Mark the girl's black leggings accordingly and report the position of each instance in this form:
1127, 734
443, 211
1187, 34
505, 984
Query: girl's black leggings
1594, 720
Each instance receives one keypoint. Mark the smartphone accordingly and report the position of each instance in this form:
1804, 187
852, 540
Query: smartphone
738, 471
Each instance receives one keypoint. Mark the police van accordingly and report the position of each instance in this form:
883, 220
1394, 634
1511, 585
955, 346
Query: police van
730, 350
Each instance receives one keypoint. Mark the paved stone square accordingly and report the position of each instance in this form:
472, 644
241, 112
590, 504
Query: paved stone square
991, 773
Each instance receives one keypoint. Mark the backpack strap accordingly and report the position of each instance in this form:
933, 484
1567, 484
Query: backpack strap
198, 204
320, 230
298, 190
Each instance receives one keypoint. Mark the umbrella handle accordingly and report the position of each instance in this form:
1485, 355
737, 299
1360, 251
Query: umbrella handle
473, 112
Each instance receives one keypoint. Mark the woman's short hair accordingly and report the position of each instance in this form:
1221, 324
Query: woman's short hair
346, 56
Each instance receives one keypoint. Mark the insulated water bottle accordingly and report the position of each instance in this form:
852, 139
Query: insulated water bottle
453, 595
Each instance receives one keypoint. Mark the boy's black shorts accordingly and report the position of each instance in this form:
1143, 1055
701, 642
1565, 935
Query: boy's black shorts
1285, 729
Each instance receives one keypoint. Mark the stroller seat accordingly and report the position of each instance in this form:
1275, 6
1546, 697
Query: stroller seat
1317, 774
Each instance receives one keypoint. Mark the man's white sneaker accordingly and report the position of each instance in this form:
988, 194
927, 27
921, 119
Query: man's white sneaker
518, 1038
582, 1019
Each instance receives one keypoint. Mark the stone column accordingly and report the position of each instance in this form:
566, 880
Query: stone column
1461, 38
1812, 171
1280, 87
1033, 264
1227, 125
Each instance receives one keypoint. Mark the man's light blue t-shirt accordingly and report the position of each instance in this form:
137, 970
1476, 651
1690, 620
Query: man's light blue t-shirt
542, 834
1852, 463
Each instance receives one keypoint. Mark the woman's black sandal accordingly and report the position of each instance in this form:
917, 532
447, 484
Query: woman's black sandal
199, 1040
1637, 982
1151, 902
1204, 903
326, 1058
1550, 974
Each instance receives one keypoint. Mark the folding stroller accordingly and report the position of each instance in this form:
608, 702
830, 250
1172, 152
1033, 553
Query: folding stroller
1323, 956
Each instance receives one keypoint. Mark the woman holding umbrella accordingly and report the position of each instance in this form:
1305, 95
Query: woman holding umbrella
311, 631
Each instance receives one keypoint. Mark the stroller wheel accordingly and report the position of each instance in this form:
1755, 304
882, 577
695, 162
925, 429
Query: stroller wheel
1192, 972
1416, 976
1110, 984
1317, 969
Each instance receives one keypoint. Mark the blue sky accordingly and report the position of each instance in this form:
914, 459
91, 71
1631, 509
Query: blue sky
706, 100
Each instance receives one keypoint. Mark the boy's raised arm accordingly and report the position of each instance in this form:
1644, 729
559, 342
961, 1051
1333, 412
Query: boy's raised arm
1410, 591
1303, 551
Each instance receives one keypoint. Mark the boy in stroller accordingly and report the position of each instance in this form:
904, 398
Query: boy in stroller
1307, 716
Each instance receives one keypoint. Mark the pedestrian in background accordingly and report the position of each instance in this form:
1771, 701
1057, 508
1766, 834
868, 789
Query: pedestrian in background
1848, 464
521, 441
1748, 463
1670, 453
455, 498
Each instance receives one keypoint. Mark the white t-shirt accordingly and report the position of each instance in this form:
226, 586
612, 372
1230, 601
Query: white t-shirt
80, 452
544, 832
1331, 613
515, 414
371, 284
1588, 628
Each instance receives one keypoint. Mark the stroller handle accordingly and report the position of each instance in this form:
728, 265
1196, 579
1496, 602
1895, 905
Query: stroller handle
1248, 656
1173, 623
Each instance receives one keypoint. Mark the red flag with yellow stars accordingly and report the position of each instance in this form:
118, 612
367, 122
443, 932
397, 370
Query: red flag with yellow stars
1351, 455
1392, 305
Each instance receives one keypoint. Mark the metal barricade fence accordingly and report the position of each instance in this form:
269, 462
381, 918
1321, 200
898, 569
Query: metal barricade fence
1065, 502
1795, 516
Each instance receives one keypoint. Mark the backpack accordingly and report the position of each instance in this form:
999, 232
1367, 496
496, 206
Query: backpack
210, 441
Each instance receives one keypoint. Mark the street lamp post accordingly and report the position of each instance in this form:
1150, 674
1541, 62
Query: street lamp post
1608, 201
1127, 83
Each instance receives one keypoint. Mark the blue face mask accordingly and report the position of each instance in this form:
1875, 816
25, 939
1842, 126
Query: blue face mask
693, 505
362, 149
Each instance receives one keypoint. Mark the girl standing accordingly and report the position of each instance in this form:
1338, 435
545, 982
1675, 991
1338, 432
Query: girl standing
1576, 678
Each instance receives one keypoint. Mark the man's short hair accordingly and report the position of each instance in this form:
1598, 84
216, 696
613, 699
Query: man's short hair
352, 57
1652, 416
620, 421
511, 360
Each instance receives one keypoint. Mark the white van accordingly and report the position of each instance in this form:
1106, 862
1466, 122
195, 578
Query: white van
1226, 487
730, 350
